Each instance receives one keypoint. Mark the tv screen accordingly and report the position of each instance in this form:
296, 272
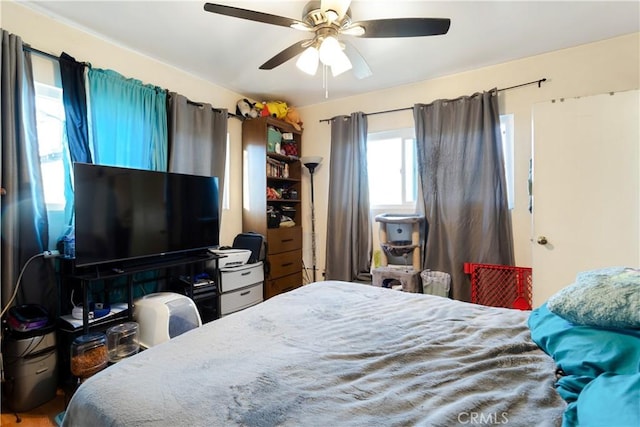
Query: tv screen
125, 214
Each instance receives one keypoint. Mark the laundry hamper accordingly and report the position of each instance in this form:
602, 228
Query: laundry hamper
436, 283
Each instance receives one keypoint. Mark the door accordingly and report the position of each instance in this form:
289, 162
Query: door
586, 188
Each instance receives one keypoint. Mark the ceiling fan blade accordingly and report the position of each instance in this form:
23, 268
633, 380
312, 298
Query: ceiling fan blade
285, 55
402, 27
338, 6
360, 68
253, 15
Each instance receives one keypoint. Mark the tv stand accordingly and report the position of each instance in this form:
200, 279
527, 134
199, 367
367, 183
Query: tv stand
86, 276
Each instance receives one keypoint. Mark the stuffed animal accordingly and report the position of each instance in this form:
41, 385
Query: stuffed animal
263, 110
277, 109
293, 118
246, 108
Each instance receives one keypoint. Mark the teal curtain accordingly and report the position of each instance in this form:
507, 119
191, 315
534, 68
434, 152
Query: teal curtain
128, 121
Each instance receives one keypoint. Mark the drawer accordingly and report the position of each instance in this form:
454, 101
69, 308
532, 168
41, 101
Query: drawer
242, 298
285, 263
277, 286
284, 239
239, 277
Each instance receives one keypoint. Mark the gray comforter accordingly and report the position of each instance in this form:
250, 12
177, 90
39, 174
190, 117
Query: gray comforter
334, 354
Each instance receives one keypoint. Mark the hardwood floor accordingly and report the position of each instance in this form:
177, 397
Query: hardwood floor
42, 416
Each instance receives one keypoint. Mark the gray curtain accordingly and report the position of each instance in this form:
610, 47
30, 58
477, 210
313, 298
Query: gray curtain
461, 168
349, 236
24, 217
197, 139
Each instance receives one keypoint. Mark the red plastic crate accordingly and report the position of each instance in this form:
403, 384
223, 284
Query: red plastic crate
498, 285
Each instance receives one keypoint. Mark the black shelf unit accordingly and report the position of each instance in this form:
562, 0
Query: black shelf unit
86, 276
205, 294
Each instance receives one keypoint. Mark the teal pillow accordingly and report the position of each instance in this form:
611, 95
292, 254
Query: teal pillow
606, 298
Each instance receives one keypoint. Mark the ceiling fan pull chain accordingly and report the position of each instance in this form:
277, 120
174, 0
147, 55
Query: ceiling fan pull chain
325, 80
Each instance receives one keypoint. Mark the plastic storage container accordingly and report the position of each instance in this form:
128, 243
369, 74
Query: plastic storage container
122, 341
89, 354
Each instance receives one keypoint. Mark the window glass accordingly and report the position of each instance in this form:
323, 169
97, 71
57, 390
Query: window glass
52, 145
410, 172
392, 169
51, 135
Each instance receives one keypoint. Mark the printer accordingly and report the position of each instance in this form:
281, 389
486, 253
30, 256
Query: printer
231, 257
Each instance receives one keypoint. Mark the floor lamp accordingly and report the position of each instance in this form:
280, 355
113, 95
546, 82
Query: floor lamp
312, 163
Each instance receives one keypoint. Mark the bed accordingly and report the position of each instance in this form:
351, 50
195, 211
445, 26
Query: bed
335, 354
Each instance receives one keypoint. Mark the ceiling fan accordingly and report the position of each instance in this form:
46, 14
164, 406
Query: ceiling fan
328, 20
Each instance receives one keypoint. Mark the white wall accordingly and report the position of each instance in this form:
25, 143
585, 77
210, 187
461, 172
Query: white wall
54, 37
610, 65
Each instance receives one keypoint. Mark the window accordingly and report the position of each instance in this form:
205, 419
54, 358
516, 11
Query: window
50, 122
51, 144
391, 157
391, 161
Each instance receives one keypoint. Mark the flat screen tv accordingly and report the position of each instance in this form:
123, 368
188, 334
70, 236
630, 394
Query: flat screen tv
129, 214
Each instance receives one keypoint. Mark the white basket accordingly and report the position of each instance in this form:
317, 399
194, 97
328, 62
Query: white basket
435, 283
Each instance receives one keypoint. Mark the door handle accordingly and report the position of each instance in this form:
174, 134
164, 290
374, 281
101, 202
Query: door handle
542, 240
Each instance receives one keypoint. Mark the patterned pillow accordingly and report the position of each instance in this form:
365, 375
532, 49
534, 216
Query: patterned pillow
607, 298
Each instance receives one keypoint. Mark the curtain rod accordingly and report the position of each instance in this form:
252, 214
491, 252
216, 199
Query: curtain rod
539, 82
217, 110
48, 55
40, 52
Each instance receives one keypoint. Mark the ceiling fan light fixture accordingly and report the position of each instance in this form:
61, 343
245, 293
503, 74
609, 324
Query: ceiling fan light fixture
329, 50
338, 8
340, 64
308, 61
331, 15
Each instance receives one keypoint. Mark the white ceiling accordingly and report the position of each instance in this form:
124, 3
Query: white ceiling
228, 51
